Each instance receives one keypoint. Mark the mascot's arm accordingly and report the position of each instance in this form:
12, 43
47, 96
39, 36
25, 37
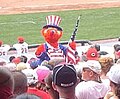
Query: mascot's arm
72, 45
39, 50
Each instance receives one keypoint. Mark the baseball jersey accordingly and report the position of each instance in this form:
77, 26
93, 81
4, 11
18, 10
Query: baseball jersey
4, 51
22, 49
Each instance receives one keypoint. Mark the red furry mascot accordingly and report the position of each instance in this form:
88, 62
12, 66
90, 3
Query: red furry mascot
51, 49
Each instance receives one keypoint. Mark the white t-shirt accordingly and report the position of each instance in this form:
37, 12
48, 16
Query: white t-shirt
4, 51
91, 90
22, 49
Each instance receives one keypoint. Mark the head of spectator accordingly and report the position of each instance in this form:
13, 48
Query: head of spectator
21, 66
27, 96
97, 47
106, 63
52, 63
6, 83
114, 76
11, 58
42, 72
11, 66
48, 81
1, 42
20, 83
31, 76
91, 71
24, 59
20, 39
92, 54
116, 52
16, 60
64, 80
34, 63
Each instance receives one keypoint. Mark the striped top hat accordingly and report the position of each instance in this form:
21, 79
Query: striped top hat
53, 21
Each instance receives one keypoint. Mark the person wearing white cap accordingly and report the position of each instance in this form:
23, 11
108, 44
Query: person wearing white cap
114, 76
91, 87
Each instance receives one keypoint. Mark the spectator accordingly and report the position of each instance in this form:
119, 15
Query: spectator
21, 47
92, 54
11, 58
6, 83
114, 76
65, 80
48, 81
116, 52
106, 64
16, 60
91, 87
20, 85
4, 48
21, 66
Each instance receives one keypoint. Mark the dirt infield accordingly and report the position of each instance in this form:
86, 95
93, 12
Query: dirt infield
31, 6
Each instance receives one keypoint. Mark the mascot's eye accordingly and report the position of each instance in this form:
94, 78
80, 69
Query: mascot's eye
59, 32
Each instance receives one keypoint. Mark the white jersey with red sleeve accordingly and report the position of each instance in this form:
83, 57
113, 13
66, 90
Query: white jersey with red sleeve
4, 51
21, 48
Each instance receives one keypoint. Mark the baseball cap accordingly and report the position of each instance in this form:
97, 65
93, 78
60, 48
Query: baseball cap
16, 60
93, 65
20, 39
42, 72
92, 54
114, 74
64, 75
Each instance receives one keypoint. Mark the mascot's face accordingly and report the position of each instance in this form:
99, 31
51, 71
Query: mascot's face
51, 35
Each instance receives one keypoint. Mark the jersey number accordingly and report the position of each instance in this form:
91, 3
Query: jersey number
24, 50
2, 53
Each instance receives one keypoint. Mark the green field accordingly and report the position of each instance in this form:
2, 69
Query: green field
94, 24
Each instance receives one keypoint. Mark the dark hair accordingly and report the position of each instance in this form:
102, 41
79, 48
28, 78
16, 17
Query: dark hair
24, 59
117, 47
20, 85
118, 90
11, 58
27, 96
97, 47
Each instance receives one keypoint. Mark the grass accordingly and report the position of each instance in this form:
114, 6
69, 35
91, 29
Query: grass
94, 24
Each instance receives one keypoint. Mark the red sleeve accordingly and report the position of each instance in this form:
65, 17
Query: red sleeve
40, 49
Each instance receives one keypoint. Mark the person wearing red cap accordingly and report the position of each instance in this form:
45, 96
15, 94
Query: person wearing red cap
21, 47
92, 54
4, 48
21, 39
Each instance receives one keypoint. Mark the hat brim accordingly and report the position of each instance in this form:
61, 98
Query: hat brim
95, 58
54, 26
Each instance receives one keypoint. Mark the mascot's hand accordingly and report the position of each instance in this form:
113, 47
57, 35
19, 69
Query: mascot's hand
39, 50
72, 45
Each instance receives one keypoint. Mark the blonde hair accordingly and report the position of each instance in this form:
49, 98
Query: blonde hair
106, 63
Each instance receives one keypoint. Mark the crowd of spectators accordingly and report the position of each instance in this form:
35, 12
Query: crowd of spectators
95, 76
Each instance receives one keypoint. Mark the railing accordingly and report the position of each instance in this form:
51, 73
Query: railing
81, 42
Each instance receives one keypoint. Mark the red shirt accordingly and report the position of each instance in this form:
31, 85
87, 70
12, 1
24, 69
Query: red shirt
39, 93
